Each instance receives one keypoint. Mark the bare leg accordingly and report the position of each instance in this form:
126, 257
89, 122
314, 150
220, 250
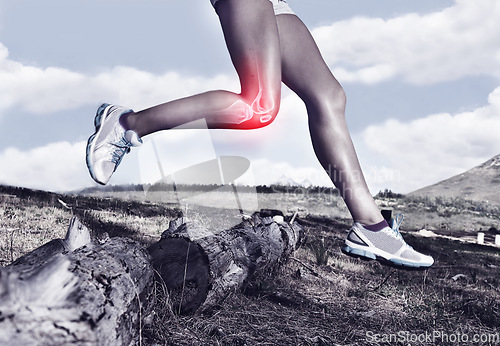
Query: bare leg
251, 35
306, 73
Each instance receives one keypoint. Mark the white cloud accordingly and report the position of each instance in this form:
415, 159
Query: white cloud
56, 166
461, 40
427, 150
45, 90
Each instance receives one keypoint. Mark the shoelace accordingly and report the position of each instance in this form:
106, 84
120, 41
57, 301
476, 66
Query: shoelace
396, 222
122, 147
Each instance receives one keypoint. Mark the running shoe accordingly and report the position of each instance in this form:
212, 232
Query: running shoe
110, 142
386, 245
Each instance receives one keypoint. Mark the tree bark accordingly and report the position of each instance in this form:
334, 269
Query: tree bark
74, 291
201, 267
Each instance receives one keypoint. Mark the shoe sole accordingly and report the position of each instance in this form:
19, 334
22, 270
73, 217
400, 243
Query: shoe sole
101, 114
368, 255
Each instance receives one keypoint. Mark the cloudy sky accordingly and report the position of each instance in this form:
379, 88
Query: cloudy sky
422, 79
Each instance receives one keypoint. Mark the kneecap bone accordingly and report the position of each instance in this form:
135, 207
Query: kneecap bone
240, 111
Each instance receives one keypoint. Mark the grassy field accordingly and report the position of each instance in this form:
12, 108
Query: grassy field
320, 297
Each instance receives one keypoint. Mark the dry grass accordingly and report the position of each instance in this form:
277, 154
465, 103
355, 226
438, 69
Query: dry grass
306, 303
25, 226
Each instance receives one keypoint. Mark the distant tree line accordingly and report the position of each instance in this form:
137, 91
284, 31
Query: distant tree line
274, 188
388, 194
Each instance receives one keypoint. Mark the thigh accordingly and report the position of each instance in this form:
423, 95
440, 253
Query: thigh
303, 68
251, 34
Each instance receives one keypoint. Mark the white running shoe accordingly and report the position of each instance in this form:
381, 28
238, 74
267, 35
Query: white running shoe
386, 245
110, 142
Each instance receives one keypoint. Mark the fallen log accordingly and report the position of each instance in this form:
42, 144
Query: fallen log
200, 267
75, 291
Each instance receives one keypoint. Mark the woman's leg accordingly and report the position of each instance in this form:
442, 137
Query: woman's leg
251, 35
306, 73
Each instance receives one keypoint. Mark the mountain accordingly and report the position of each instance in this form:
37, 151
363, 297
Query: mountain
481, 183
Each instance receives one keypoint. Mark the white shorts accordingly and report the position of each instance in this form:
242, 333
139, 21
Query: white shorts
280, 6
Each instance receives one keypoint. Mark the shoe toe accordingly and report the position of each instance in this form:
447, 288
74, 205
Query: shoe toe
416, 258
427, 260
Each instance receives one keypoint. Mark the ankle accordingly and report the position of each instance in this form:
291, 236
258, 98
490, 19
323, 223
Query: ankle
375, 227
126, 121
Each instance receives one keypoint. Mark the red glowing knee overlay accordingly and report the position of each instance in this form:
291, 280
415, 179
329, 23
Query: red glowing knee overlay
240, 111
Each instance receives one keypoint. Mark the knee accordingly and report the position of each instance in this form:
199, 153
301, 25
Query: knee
327, 106
263, 108
339, 101
334, 100
266, 111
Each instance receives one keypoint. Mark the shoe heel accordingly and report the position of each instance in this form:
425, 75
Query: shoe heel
363, 254
99, 115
